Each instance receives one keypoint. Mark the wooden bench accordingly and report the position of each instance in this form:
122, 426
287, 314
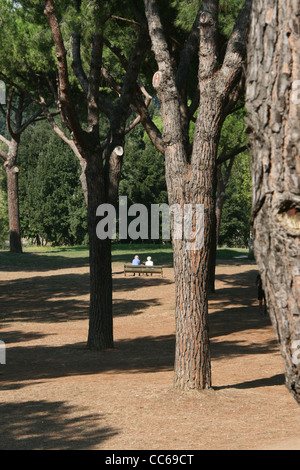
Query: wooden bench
141, 269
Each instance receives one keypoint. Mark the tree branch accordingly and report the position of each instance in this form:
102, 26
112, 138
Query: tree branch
187, 54
166, 89
4, 140
67, 109
77, 63
153, 132
120, 114
28, 122
159, 43
94, 83
52, 122
224, 157
118, 53
208, 25
111, 81
236, 50
8, 117
18, 87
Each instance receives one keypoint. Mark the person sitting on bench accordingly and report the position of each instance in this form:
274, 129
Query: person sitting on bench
149, 262
136, 261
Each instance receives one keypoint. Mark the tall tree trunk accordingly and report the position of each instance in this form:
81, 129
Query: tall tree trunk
100, 335
12, 173
192, 360
101, 164
273, 104
191, 180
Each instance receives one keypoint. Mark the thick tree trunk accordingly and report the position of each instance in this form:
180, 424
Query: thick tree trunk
100, 335
192, 360
273, 103
12, 173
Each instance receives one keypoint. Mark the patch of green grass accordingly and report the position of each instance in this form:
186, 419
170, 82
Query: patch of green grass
229, 253
160, 254
47, 257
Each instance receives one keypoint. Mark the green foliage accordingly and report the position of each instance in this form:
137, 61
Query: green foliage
52, 206
187, 11
25, 44
235, 222
229, 10
143, 177
143, 173
233, 131
27, 47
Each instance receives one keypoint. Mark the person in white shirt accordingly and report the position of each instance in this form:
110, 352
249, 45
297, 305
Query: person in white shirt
149, 262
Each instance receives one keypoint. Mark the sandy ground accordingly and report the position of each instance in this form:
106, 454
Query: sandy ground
55, 394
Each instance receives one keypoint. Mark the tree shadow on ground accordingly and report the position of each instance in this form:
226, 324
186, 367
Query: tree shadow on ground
234, 306
46, 425
145, 354
230, 349
59, 298
232, 320
275, 380
45, 298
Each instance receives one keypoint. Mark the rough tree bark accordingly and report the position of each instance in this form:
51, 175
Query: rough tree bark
191, 176
273, 105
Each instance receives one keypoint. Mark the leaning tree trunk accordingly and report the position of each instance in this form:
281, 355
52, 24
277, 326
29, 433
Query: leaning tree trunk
273, 104
12, 174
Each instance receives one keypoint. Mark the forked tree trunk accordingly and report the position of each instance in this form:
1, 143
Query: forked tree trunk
191, 179
273, 104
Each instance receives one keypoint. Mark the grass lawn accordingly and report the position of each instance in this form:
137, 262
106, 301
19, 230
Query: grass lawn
44, 258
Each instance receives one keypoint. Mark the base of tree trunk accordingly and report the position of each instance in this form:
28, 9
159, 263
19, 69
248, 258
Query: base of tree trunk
15, 245
192, 369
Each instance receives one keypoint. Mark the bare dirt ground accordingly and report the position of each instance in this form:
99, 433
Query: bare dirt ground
55, 394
